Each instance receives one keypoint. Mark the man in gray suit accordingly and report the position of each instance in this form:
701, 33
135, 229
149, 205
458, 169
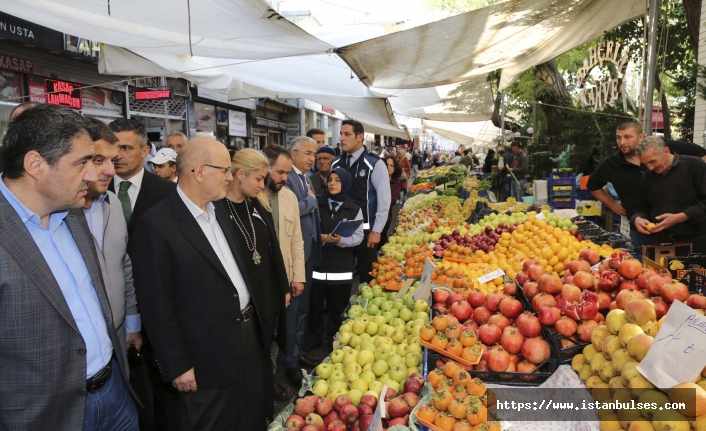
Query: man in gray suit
303, 153
57, 361
104, 215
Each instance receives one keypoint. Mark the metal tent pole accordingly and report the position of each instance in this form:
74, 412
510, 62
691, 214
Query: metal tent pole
502, 121
651, 64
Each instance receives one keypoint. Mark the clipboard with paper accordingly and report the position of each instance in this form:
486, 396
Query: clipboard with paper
345, 228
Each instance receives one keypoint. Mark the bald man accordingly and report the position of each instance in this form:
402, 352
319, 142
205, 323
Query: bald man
195, 298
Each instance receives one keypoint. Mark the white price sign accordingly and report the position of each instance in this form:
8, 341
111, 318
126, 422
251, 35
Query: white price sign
424, 289
490, 276
540, 216
678, 353
405, 287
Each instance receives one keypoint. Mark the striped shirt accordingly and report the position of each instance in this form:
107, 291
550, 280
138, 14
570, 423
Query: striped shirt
210, 227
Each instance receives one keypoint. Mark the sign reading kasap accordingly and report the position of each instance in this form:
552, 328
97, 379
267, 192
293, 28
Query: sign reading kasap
606, 90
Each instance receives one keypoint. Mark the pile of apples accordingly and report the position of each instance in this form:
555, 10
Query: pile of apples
459, 403
492, 327
608, 367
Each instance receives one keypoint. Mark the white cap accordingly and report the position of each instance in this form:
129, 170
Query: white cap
163, 156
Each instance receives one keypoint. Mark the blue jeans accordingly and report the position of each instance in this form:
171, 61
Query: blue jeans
111, 408
518, 190
639, 239
506, 189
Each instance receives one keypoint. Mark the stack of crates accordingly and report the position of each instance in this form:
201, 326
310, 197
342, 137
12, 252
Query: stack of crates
562, 190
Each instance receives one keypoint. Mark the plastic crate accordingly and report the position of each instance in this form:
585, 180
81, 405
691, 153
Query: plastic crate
562, 193
543, 372
560, 179
584, 195
570, 204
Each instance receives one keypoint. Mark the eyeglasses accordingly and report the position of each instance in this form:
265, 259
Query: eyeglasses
308, 153
225, 170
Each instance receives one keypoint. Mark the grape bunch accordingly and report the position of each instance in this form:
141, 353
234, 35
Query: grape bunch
481, 210
534, 207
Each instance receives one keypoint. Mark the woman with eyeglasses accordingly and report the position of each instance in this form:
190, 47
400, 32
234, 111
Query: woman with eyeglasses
256, 242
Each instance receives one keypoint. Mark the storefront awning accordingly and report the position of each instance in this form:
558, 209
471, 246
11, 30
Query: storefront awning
476, 134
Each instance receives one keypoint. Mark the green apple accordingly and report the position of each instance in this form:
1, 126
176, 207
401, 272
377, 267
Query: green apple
394, 384
336, 375
418, 323
358, 327
366, 357
355, 311
324, 370
413, 339
355, 341
421, 315
408, 301
401, 327
365, 337
399, 336
353, 367
391, 296
389, 330
381, 328
372, 328
386, 306
413, 359
320, 388
378, 301
377, 291
345, 337
415, 348
394, 359
412, 370
372, 310
402, 349
368, 376
359, 384
337, 356
350, 357
352, 377
379, 320
415, 331
380, 367
409, 326
405, 314
376, 387
397, 321
346, 348
367, 293
382, 354
356, 395
421, 305
385, 377
387, 315
338, 366
367, 367
333, 394
395, 313
346, 327
397, 304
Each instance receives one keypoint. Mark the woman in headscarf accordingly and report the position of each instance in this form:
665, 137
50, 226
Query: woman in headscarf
406, 168
488, 164
334, 277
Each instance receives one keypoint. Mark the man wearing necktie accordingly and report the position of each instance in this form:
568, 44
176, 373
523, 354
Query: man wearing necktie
303, 154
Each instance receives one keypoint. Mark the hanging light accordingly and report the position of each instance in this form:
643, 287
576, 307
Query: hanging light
530, 131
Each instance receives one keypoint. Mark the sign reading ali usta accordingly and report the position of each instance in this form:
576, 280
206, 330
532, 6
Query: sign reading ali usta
605, 90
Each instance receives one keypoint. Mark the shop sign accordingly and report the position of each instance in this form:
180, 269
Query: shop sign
103, 101
179, 87
606, 90
62, 93
16, 64
151, 82
153, 94
269, 123
237, 123
328, 110
29, 33
10, 85
205, 115
293, 132
36, 89
79, 45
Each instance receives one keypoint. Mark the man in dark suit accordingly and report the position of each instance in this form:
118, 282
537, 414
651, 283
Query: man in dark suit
59, 349
303, 153
137, 191
195, 300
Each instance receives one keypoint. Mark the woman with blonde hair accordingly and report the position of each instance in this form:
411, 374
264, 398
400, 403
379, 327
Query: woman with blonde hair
256, 241
406, 169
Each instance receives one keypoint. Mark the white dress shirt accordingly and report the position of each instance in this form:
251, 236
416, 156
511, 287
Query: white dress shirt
210, 227
134, 189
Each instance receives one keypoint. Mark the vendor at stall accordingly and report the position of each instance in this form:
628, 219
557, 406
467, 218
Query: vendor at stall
672, 195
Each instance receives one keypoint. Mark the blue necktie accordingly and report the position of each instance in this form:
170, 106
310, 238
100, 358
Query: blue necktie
303, 179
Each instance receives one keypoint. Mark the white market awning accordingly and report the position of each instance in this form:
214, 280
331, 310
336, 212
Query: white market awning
512, 35
476, 134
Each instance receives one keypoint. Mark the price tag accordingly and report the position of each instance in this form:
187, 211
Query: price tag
678, 353
540, 216
405, 287
490, 276
424, 289
596, 266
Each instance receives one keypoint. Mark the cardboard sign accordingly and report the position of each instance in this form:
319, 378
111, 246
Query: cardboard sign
540, 216
678, 353
424, 289
679, 266
405, 287
490, 276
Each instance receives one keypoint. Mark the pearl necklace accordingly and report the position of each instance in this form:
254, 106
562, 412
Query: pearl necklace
233, 215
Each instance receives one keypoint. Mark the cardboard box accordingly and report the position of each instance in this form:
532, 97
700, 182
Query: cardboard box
659, 252
679, 266
589, 208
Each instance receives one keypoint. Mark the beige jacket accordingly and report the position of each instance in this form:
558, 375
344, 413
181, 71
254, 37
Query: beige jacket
290, 236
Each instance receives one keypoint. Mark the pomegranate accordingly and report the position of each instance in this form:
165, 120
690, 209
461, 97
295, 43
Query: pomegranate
441, 295
661, 306
645, 293
550, 284
591, 256
578, 265
535, 272
461, 310
584, 329
568, 279
600, 319
512, 340
510, 307
583, 280
644, 277
566, 326
640, 311
522, 277
630, 268
696, 301
510, 288
570, 291
612, 306
482, 365
536, 350
526, 265
498, 359
489, 334
526, 366
588, 305
476, 298
549, 315
514, 358
492, 300
655, 283
628, 285
604, 265
529, 326
530, 289
671, 292
499, 320
608, 280
603, 300
625, 296
481, 315
454, 297
542, 300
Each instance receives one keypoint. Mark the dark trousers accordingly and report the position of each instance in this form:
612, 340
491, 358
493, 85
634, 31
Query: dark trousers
238, 407
336, 297
296, 320
267, 327
364, 259
162, 404
111, 408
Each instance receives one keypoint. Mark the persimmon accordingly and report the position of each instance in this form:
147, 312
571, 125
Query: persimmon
450, 368
476, 387
461, 377
441, 400
435, 376
440, 341
427, 413
462, 425
461, 392
471, 354
427, 332
440, 323
445, 421
457, 408
445, 385
468, 338
454, 347
453, 331
476, 413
